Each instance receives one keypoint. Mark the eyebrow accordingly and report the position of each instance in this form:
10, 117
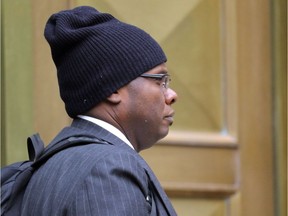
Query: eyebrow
162, 72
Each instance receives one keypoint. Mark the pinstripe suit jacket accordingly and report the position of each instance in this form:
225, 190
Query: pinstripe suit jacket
94, 179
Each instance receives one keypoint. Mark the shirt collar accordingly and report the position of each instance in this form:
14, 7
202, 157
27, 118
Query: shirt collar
108, 127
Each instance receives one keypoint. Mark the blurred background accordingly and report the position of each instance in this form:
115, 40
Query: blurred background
226, 154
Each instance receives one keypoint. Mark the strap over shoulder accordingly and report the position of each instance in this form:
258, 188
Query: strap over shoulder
44, 155
35, 146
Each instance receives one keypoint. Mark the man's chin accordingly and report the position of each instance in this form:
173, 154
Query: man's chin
164, 132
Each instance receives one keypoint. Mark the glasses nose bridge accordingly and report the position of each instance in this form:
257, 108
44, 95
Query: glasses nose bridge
167, 80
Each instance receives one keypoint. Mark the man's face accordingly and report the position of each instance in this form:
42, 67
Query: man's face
148, 110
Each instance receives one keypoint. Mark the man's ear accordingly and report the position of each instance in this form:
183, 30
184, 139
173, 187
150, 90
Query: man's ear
114, 98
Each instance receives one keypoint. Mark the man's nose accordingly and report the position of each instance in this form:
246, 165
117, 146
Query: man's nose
170, 96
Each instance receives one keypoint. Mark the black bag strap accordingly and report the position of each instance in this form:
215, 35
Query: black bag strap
61, 145
35, 146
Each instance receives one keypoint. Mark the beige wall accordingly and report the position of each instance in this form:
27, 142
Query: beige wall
227, 65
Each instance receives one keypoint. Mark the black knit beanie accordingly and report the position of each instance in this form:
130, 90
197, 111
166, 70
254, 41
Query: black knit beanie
96, 54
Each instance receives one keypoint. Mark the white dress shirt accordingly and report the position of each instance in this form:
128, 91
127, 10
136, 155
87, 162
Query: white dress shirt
107, 127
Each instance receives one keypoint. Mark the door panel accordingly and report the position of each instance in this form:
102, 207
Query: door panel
198, 162
190, 35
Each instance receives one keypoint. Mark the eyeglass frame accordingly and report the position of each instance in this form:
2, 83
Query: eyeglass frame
159, 77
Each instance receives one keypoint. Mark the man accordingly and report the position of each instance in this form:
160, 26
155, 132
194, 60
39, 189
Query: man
114, 83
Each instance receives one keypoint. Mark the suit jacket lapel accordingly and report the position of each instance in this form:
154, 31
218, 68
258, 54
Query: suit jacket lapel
159, 190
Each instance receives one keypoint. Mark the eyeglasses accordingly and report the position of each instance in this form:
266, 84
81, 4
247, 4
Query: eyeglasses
164, 78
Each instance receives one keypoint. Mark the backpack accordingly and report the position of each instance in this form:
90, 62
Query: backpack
16, 176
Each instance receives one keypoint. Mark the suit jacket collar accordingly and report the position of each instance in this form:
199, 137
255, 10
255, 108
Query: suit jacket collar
81, 127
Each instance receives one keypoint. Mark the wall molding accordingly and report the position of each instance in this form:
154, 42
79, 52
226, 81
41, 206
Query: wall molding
200, 139
199, 190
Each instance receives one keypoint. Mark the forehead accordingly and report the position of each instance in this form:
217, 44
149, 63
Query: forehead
162, 68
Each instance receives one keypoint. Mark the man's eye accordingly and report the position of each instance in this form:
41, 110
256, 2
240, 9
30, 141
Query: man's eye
158, 78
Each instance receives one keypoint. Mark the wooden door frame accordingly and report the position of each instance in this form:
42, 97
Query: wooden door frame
253, 50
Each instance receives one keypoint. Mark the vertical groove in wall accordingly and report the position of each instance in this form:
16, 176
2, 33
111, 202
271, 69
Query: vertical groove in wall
279, 69
2, 120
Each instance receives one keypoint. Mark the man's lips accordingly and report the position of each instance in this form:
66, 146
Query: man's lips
170, 118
